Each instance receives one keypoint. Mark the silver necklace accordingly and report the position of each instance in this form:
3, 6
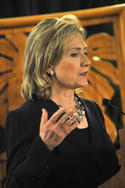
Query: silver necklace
80, 109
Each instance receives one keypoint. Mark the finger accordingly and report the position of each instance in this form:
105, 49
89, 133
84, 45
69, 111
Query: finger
44, 117
73, 120
67, 117
70, 126
73, 125
57, 115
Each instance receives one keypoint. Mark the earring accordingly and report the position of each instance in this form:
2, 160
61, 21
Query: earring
52, 72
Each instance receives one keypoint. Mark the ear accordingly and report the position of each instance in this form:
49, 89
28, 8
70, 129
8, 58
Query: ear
48, 70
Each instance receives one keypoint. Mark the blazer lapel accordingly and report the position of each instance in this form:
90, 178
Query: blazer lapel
95, 125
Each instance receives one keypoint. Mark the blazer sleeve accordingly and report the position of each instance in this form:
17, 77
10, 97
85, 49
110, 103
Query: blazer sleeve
29, 161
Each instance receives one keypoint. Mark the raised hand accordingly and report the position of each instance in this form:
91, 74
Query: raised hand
54, 130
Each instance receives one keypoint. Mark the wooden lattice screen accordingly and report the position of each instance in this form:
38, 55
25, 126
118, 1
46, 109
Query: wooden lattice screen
106, 47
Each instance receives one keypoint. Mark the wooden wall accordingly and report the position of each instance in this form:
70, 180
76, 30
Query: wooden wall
106, 44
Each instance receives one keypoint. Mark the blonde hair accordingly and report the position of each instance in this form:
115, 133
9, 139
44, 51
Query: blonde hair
44, 47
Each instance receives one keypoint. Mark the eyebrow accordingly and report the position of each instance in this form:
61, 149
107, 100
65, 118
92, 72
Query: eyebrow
77, 48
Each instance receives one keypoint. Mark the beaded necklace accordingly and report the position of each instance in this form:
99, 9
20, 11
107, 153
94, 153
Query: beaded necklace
80, 109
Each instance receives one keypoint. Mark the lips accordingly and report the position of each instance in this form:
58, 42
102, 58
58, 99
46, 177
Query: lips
84, 73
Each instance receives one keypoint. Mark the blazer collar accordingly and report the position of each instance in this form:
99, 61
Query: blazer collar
52, 107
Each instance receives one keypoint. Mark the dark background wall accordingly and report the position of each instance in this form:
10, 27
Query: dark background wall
15, 8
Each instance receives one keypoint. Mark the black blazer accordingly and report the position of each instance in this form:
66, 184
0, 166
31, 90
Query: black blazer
31, 164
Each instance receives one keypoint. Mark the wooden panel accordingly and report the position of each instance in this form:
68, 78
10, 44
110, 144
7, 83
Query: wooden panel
119, 28
103, 75
82, 15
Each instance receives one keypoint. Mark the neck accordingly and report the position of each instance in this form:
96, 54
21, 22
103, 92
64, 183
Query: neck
63, 96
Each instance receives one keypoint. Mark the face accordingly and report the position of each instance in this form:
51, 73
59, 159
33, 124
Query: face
72, 70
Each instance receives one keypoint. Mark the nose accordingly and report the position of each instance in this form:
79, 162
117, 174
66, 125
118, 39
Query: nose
85, 62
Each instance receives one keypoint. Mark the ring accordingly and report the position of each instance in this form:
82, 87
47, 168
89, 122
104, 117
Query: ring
73, 123
69, 118
62, 124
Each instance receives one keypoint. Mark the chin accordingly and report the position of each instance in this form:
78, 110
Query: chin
84, 83
80, 84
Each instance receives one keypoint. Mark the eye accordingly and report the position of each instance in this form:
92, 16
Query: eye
74, 54
85, 53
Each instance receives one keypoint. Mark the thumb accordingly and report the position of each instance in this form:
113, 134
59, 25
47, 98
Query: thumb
44, 117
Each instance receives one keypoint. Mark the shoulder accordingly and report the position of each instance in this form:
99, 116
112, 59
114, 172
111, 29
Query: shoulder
88, 102
24, 117
17, 115
26, 109
23, 121
20, 110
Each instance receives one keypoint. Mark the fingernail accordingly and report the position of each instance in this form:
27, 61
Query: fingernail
43, 110
75, 114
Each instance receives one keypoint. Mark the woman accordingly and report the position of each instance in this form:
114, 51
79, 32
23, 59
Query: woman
57, 139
